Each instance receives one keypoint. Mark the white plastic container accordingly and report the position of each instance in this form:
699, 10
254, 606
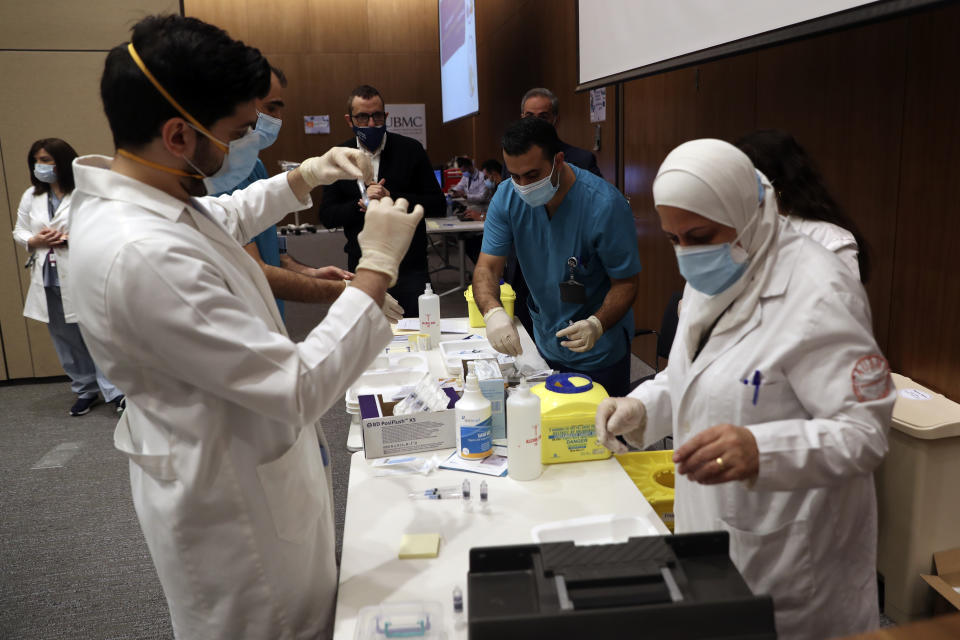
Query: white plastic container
917, 511
428, 305
474, 423
523, 434
610, 528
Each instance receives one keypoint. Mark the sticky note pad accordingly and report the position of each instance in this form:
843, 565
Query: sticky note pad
419, 545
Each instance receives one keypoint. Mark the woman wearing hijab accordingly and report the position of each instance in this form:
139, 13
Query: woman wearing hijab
803, 198
776, 394
43, 220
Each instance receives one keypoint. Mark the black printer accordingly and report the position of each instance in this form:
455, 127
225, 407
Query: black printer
680, 586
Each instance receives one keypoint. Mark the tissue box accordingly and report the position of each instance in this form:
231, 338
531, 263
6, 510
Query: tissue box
387, 435
492, 387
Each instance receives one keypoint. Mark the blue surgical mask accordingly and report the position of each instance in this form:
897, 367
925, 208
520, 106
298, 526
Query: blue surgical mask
488, 183
539, 193
238, 162
712, 268
370, 137
268, 128
45, 172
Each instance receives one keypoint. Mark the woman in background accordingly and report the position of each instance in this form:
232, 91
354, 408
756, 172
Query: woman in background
802, 197
43, 220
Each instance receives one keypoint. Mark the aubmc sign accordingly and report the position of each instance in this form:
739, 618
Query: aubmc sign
404, 122
408, 120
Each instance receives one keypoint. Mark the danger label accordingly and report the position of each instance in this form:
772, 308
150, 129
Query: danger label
871, 378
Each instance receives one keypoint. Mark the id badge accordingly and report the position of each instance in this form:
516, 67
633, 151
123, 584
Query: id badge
573, 292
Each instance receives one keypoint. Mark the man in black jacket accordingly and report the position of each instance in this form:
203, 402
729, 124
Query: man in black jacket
542, 103
402, 170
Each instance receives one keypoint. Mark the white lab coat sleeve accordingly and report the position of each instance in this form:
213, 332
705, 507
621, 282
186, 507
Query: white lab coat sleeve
203, 334
841, 379
22, 231
655, 396
849, 255
248, 212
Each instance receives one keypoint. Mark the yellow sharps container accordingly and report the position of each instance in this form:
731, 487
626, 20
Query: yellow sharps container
507, 299
568, 408
653, 473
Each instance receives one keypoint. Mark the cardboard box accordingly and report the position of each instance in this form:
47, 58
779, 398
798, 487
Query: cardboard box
947, 580
387, 435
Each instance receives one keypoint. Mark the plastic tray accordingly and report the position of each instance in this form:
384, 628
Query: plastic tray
387, 383
454, 352
401, 620
603, 529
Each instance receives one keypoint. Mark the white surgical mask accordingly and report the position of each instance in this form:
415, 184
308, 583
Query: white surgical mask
45, 172
268, 128
238, 162
539, 193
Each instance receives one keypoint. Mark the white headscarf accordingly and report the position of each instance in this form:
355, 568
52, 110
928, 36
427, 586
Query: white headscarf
716, 180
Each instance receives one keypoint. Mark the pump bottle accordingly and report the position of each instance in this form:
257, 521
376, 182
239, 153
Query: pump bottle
429, 308
473, 420
523, 434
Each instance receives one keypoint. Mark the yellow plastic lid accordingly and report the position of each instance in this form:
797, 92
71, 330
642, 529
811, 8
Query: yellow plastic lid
922, 413
563, 392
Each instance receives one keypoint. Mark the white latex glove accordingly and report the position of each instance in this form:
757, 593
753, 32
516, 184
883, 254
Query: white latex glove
625, 417
386, 235
501, 333
339, 163
581, 335
391, 308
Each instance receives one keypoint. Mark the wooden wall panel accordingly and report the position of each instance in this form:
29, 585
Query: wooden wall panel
339, 26
659, 114
726, 97
411, 25
841, 96
501, 56
925, 301
93, 25
281, 27
229, 15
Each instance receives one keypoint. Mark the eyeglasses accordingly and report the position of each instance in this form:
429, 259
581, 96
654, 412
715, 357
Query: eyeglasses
361, 119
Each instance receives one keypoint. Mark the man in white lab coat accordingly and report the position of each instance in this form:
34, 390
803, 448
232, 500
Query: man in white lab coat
227, 462
777, 396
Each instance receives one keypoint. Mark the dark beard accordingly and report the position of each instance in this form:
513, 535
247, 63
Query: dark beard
205, 160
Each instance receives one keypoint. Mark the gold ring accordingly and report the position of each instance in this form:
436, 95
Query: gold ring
720, 462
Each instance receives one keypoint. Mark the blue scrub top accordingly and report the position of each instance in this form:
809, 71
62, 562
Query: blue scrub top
267, 242
594, 223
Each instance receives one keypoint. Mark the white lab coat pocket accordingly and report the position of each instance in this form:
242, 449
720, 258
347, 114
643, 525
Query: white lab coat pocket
771, 400
776, 563
158, 466
296, 488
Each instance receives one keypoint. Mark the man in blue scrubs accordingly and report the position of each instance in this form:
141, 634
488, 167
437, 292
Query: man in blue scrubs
577, 246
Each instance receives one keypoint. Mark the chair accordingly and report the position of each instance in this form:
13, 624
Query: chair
668, 329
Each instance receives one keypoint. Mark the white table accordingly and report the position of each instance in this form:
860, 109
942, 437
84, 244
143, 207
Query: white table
379, 513
460, 228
